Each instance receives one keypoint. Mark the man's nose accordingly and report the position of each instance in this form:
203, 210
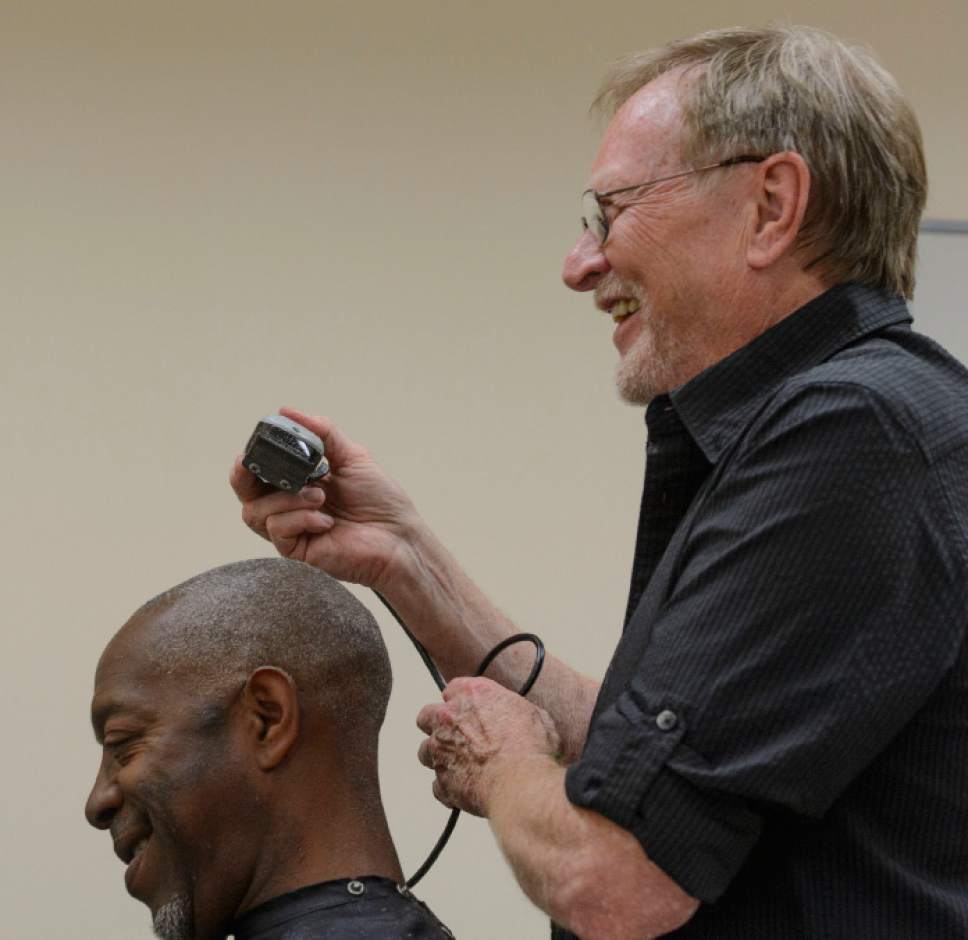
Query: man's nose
103, 802
586, 264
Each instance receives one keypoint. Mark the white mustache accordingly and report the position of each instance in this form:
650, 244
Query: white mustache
612, 288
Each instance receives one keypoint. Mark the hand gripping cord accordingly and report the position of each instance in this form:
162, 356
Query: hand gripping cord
439, 680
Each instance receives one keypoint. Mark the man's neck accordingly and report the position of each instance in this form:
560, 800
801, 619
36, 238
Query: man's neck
764, 304
312, 844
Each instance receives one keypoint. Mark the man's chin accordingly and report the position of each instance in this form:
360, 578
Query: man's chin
648, 369
173, 920
635, 386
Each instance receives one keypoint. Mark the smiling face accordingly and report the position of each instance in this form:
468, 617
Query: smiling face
172, 791
674, 252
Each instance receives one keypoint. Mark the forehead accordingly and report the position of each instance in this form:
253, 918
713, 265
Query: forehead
643, 139
129, 679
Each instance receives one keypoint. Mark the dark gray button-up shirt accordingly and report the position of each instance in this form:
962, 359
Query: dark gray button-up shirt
784, 723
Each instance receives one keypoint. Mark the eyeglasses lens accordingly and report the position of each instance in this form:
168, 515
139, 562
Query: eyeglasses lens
591, 216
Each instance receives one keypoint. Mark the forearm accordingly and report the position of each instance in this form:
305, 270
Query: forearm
585, 872
458, 625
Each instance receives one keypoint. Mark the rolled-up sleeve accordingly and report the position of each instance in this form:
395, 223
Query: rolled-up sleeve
818, 601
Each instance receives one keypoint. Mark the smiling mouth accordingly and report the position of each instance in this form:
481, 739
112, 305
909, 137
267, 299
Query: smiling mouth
621, 310
138, 849
134, 863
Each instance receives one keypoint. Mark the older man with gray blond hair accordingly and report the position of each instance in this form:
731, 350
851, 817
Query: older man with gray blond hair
779, 747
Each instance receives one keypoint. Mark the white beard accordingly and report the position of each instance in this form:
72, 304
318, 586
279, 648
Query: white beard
174, 919
650, 365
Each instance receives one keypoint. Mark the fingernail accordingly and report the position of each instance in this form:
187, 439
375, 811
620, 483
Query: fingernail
312, 494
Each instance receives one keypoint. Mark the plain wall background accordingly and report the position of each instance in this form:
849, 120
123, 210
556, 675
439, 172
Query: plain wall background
211, 209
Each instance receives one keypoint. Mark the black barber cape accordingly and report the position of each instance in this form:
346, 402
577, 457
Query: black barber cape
360, 909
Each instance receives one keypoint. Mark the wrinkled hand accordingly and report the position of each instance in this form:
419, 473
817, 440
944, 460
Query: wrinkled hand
478, 732
353, 524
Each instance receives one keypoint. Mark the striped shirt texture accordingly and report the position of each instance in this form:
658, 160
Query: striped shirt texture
784, 722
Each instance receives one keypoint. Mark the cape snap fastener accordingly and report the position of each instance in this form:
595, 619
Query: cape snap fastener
355, 887
666, 720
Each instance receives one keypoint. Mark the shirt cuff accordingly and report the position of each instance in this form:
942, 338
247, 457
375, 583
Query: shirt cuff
697, 836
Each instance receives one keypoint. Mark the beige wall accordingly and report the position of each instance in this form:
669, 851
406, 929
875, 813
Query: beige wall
211, 209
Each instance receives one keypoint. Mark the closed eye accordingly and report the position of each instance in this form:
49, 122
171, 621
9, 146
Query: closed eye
121, 748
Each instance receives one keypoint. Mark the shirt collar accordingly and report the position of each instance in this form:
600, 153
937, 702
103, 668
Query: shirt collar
718, 403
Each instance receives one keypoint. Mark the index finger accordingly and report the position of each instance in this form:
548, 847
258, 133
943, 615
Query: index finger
247, 485
427, 717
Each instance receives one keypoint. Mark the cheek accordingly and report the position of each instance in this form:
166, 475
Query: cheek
181, 790
657, 238
142, 781
213, 809
723, 232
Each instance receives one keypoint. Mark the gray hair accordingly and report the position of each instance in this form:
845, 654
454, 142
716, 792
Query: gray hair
220, 626
795, 88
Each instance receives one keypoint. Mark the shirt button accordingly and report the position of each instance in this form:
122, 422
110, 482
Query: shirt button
355, 887
666, 720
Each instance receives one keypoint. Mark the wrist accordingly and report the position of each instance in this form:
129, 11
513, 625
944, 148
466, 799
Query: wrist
405, 574
505, 778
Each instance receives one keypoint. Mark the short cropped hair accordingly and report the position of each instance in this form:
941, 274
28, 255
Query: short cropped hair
220, 626
795, 88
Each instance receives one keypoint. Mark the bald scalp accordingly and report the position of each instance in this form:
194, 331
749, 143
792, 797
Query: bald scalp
220, 626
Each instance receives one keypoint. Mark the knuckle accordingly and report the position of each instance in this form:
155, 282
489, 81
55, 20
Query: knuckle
462, 684
251, 518
478, 685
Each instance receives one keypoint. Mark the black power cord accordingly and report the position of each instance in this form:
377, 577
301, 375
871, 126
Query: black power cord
439, 680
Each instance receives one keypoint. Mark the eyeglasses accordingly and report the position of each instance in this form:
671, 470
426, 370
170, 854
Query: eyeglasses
593, 204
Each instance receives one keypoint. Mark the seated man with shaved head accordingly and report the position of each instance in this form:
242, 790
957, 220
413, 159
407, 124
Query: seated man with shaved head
238, 714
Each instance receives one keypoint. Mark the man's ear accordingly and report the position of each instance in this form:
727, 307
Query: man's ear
783, 188
271, 713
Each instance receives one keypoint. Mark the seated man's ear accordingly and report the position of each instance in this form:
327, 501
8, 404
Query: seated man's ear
271, 715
